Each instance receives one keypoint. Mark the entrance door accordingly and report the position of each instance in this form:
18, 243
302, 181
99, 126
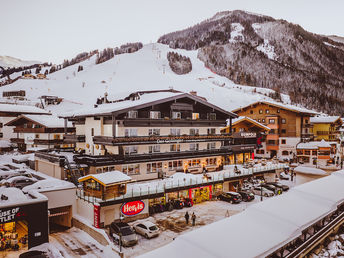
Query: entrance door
273, 153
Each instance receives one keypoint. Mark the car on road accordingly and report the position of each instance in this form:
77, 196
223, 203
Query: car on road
146, 229
20, 181
128, 236
246, 196
259, 190
284, 187
231, 197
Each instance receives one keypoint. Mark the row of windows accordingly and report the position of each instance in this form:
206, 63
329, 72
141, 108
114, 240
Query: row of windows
173, 148
174, 115
130, 132
267, 111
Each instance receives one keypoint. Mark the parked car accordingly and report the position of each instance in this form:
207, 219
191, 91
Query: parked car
231, 197
284, 176
259, 190
178, 204
146, 229
276, 190
20, 181
246, 196
284, 187
129, 238
187, 202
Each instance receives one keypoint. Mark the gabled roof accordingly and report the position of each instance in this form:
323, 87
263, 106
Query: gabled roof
325, 119
48, 121
21, 109
107, 178
288, 107
145, 100
250, 120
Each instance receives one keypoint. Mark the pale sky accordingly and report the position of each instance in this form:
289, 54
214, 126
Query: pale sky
47, 30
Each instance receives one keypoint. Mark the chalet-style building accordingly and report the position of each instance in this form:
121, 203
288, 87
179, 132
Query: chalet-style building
34, 132
326, 128
9, 112
320, 153
245, 124
150, 134
289, 125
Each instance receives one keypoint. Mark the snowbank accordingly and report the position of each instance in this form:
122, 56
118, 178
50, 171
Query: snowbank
310, 171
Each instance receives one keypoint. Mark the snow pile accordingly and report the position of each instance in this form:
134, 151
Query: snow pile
236, 33
49, 184
334, 248
267, 49
49, 249
310, 171
11, 194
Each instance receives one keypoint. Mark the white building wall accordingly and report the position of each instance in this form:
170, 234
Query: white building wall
85, 209
289, 146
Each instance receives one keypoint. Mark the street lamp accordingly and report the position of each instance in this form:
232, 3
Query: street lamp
121, 217
261, 191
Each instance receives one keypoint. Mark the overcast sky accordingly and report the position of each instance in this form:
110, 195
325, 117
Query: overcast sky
46, 30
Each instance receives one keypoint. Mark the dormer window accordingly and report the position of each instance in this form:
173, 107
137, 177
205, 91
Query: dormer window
211, 116
132, 114
154, 114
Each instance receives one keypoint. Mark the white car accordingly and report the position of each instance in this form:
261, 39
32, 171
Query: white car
259, 190
146, 229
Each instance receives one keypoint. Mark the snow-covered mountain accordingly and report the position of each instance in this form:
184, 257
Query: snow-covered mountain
8, 61
146, 69
257, 50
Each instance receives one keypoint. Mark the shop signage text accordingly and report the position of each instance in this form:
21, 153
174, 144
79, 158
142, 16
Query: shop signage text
178, 141
248, 135
96, 216
8, 215
132, 208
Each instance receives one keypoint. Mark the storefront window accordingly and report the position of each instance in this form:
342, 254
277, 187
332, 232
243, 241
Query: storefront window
92, 185
154, 167
194, 163
211, 161
131, 169
175, 165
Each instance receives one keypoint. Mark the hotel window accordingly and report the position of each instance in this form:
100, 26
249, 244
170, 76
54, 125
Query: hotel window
307, 152
175, 147
130, 150
283, 121
251, 111
1, 125
37, 136
175, 165
306, 121
154, 131
211, 161
194, 131
263, 120
132, 114
271, 121
285, 153
154, 148
211, 131
283, 141
130, 132
92, 131
267, 111
56, 136
211, 116
314, 152
175, 131
154, 167
194, 146
194, 163
176, 115
211, 145
260, 111
131, 169
195, 116
154, 114
283, 131
1, 135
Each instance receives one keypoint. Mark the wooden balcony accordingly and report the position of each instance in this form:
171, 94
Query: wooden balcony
73, 138
47, 142
28, 130
155, 139
163, 122
17, 140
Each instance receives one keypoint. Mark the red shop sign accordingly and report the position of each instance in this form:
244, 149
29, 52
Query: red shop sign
132, 208
96, 215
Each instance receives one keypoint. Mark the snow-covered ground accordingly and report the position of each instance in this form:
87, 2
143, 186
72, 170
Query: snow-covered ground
334, 249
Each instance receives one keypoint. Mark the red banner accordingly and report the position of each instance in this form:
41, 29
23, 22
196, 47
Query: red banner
96, 216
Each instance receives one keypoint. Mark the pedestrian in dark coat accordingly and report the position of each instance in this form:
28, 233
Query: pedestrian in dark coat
193, 217
187, 217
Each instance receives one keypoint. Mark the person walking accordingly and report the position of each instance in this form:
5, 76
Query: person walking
193, 217
292, 175
187, 218
227, 214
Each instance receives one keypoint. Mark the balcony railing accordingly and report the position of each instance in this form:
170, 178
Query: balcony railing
17, 140
147, 190
156, 139
73, 138
47, 142
28, 130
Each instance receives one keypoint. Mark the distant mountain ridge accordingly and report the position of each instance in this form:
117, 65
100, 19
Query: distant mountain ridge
257, 50
8, 61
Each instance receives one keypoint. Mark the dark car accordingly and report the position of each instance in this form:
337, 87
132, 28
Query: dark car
276, 190
34, 254
129, 237
178, 204
246, 196
231, 197
282, 186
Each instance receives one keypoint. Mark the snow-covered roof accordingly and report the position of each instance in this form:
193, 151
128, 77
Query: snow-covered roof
324, 144
23, 109
242, 118
13, 194
280, 105
5, 144
310, 171
324, 119
107, 178
49, 121
143, 101
49, 184
266, 226
315, 144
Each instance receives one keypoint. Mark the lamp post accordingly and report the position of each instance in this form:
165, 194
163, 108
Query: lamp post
121, 217
261, 191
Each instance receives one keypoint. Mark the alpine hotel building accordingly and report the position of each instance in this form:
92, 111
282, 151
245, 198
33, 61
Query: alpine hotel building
151, 134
